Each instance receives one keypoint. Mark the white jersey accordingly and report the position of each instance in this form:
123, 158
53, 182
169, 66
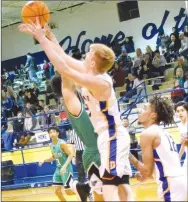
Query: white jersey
166, 159
103, 114
183, 129
169, 175
113, 141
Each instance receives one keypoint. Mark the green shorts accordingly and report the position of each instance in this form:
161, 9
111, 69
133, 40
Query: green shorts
91, 156
63, 180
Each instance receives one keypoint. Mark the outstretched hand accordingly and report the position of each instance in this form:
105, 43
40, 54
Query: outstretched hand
33, 29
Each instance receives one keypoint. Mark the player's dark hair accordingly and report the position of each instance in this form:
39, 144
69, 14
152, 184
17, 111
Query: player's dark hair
56, 85
163, 109
54, 128
181, 104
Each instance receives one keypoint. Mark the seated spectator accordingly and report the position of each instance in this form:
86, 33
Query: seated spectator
3, 120
125, 61
139, 57
8, 137
49, 93
175, 33
35, 90
158, 63
41, 106
146, 67
22, 89
61, 110
137, 81
48, 119
150, 52
181, 63
178, 94
46, 68
118, 76
129, 82
29, 107
12, 95
174, 46
6, 104
30, 123
184, 45
31, 98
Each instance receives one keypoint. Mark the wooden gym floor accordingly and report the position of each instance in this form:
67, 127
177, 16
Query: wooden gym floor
146, 191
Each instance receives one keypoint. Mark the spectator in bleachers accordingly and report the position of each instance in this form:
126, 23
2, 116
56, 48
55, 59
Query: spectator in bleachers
178, 93
3, 119
175, 33
20, 101
174, 46
31, 98
49, 93
18, 127
118, 75
8, 137
41, 105
48, 120
181, 63
159, 63
29, 107
137, 80
30, 65
22, 89
13, 96
6, 104
30, 123
125, 61
61, 110
138, 59
145, 68
35, 91
46, 68
184, 45
150, 52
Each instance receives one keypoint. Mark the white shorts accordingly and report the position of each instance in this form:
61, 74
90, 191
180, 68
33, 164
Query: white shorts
173, 189
114, 151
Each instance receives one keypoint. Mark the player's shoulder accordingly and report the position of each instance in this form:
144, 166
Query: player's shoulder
106, 77
150, 131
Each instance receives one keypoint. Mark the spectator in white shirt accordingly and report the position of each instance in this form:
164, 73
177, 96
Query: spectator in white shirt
184, 45
159, 62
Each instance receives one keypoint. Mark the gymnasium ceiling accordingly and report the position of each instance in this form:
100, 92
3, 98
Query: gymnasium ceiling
11, 9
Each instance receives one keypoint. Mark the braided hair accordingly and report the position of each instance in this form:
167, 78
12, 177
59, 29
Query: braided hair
163, 109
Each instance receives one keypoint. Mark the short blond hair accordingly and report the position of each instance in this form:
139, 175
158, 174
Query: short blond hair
104, 57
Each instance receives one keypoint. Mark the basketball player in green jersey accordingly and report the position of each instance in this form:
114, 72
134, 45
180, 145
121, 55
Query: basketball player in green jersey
84, 129
63, 154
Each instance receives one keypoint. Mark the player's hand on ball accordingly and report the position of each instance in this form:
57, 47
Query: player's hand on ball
41, 163
63, 170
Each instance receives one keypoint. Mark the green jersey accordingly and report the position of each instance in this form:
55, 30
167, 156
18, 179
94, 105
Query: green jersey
84, 129
61, 158
58, 154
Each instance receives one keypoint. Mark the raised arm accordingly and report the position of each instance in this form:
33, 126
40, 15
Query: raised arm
73, 63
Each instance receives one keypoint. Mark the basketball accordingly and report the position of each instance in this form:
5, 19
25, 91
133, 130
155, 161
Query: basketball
33, 9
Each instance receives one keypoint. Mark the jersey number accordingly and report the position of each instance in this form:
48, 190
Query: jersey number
58, 163
172, 143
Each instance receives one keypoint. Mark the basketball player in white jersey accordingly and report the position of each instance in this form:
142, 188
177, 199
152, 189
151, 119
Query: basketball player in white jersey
181, 109
113, 139
159, 152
